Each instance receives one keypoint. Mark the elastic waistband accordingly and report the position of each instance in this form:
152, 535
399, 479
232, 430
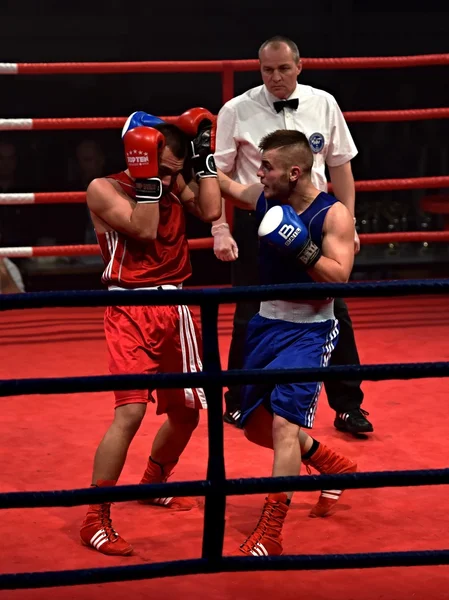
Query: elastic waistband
313, 311
115, 288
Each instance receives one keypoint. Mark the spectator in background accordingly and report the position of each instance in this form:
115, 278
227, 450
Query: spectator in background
83, 162
8, 166
11, 219
11, 281
10, 215
89, 164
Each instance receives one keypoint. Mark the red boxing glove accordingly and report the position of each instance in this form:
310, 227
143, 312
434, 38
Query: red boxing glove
143, 147
200, 124
195, 120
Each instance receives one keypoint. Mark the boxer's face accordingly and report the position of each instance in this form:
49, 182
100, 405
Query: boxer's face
279, 70
169, 169
274, 176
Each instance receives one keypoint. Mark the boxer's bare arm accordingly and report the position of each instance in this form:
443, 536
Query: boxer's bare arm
337, 258
112, 209
204, 200
243, 196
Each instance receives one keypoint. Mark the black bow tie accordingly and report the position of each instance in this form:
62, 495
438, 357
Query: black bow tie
293, 103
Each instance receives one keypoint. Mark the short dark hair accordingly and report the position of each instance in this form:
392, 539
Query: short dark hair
175, 139
281, 39
294, 145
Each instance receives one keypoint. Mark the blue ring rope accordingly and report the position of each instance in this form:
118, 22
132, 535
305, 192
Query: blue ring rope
206, 296
230, 487
103, 383
223, 565
217, 487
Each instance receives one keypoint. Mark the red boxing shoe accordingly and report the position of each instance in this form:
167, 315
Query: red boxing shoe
328, 462
157, 473
266, 539
97, 531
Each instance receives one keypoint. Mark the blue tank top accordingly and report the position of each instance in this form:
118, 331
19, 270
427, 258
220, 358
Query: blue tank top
276, 268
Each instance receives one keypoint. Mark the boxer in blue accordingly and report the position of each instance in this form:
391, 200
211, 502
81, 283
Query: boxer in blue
305, 235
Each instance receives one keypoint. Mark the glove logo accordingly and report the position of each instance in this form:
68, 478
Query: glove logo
309, 254
316, 142
289, 233
137, 157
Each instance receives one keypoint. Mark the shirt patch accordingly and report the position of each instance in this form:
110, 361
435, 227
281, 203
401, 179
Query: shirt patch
316, 142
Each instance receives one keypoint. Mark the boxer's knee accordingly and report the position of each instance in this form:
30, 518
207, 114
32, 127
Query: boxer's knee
182, 416
128, 417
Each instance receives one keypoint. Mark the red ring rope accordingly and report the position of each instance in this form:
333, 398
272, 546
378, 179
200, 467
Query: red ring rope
416, 183
415, 114
227, 69
208, 66
206, 243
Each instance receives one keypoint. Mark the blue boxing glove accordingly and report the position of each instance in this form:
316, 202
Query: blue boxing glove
140, 119
282, 227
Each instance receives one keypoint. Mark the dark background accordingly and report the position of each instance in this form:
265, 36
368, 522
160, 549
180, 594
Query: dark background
121, 31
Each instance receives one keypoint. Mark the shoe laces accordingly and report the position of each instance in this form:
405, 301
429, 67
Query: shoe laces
106, 522
268, 521
356, 411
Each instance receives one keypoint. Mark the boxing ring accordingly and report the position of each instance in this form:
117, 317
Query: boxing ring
33, 315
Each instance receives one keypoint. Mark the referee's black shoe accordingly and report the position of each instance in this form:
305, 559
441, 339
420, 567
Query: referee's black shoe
353, 421
232, 417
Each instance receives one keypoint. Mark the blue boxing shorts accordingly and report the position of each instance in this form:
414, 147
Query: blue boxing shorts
277, 344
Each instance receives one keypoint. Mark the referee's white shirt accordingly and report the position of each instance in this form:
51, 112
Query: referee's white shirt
244, 120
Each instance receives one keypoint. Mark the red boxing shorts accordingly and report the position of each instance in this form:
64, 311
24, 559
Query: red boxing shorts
154, 339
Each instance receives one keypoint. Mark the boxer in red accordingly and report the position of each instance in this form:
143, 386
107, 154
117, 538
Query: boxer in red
139, 220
